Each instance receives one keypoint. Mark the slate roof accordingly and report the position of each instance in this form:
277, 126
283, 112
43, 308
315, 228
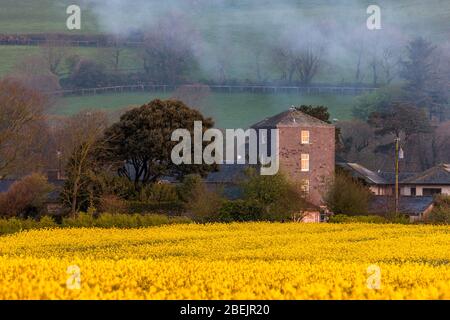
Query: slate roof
407, 205
227, 174
390, 176
438, 175
361, 172
291, 118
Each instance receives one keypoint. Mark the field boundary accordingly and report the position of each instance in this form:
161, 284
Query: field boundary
312, 90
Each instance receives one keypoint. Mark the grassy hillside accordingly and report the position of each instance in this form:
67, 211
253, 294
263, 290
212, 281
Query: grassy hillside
233, 30
238, 110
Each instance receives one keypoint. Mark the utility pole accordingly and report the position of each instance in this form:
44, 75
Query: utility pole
398, 155
397, 149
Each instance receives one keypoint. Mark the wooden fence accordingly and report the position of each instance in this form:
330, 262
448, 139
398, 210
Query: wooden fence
313, 90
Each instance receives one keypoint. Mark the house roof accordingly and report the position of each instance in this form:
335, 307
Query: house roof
291, 118
227, 173
438, 175
361, 172
402, 176
407, 205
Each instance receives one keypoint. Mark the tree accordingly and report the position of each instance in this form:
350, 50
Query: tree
112, 55
88, 74
380, 100
21, 114
308, 62
277, 198
426, 85
84, 131
25, 197
400, 119
318, 112
347, 196
200, 200
54, 53
140, 145
408, 123
168, 53
283, 59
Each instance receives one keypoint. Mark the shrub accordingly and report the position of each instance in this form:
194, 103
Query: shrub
199, 201
88, 74
347, 196
25, 198
441, 212
240, 210
275, 196
342, 218
123, 221
112, 204
14, 225
172, 208
158, 192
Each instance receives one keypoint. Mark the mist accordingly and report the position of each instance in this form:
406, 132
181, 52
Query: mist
238, 35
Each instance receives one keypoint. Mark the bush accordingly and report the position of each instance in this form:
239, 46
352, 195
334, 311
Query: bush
25, 198
347, 196
441, 212
123, 221
158, 192
342, 218
275, 196
170, 207
199, 201
112, 204
84, 220
240, 210
14, 225
88, 74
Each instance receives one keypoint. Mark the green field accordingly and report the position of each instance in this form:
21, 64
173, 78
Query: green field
234, 31
237, 110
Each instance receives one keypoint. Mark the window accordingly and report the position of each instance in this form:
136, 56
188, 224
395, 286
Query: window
305, 186
305, 137
413, 192
305, 162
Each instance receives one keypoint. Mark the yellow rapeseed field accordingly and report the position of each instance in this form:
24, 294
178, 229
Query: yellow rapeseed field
229, 261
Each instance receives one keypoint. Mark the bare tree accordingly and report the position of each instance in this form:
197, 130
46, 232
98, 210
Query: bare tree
359, 76
168, 54
21, 110
54, 53
283, 60
308, 62
113, 55
389, 64
80, 138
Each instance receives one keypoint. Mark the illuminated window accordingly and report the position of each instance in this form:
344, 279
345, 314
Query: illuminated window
305, 137
305, 162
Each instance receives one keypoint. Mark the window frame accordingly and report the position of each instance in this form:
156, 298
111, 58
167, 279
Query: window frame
305, 157
305, 141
